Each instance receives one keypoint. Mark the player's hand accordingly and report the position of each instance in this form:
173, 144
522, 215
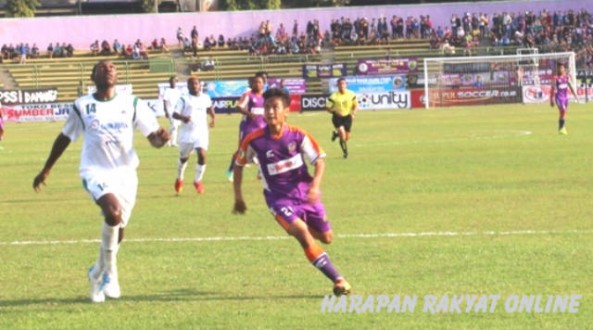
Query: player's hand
313, 195
39, 180
239, 207
186, 119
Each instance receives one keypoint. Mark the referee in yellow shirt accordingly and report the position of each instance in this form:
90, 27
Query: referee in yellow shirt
343, 106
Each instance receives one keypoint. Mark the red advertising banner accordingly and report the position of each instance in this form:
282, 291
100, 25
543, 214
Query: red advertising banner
295, 103
417, 100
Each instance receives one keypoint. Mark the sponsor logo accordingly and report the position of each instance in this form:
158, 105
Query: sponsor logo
286, 165
313, 102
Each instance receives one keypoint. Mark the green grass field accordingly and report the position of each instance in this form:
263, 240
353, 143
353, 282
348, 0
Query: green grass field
477, 200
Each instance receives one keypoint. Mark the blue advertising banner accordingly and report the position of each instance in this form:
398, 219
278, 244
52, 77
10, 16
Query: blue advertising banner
372, 84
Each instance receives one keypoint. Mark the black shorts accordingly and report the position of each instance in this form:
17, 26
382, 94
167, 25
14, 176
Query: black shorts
342, 121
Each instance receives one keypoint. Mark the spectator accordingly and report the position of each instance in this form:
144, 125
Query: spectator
117, 47
95, 48
34, 51
50, 50
105, 48
163, 45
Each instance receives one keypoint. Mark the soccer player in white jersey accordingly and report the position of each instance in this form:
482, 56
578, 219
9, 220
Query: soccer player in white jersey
108, 164
193, 110
170, 99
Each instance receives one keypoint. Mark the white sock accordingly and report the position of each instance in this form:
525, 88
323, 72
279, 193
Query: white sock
181, 170
99, 267
110, 247
200, 169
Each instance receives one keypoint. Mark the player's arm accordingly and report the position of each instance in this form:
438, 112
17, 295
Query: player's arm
241, 158
177, 112
552, 92
147, 123
314, 192
166, 110
60, 144
242, 106
158, 138
212, 115
572, 90
329, 105
354, 106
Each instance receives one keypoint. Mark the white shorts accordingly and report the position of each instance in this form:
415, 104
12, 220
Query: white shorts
185, 149
123, 186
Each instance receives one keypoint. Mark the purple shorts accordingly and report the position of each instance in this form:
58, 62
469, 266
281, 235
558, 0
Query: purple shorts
562, 103
286, 211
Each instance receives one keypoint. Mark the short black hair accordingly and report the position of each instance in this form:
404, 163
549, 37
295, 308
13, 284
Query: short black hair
278, 92
340, 80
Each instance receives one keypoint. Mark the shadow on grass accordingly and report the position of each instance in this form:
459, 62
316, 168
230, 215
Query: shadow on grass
166, 296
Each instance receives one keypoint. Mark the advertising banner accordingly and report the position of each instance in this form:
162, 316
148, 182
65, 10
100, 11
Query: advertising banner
475, 96
313, 102
541, 94
392, 100
387, 66
324, 70
37, 112
293, 85
372, 84
417, 98
29, 96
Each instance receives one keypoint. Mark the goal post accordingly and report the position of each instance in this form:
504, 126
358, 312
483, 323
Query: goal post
476, 80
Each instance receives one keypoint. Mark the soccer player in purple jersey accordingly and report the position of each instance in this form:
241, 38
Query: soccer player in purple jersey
251, 106
291, 193
559, 95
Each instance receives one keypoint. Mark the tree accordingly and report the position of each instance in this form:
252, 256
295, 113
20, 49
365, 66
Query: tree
21, 8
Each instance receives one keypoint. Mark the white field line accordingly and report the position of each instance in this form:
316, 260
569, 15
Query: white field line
346, 236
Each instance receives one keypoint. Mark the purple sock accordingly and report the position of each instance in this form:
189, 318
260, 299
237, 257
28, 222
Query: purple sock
326, 267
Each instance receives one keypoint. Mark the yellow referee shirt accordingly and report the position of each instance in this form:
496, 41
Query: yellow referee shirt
342, 104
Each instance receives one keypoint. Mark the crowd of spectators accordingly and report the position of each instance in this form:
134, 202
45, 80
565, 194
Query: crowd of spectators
546, 30
549, 31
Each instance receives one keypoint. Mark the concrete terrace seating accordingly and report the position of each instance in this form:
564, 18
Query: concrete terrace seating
71, 76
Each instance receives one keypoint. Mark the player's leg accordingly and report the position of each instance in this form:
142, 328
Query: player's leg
117, 207
200, 170
336, 124
287, 217
345, 134
173, 130
562, 107
185, 150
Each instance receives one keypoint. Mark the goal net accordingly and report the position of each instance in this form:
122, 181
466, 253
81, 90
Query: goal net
525, 77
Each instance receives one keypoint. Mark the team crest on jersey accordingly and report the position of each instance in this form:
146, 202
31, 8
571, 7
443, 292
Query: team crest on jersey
95, 124
270, 154
291, 146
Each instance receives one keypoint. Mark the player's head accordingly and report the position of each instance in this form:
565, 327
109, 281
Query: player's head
277, 102
561, 68
263, 75
258, 84
194, 86
104, 75
172, 81
342, 85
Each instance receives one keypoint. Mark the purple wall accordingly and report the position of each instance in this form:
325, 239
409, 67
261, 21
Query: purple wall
82, 30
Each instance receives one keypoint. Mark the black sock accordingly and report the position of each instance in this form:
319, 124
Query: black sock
560, 123
344, 146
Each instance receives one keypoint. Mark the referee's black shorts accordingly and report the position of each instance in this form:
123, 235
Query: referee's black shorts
342, 121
